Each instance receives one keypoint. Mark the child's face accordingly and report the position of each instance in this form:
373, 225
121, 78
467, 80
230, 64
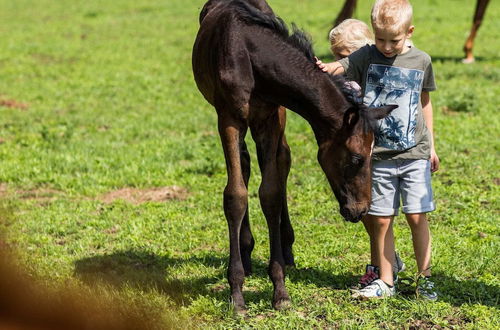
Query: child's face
340, 53
391, 44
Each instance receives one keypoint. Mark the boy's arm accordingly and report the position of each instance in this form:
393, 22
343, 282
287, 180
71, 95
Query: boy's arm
332, 68
428, 117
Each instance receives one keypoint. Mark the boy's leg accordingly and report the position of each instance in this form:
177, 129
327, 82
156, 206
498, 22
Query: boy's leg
383, 238
378, 223
421, 241
368, 223
416, 192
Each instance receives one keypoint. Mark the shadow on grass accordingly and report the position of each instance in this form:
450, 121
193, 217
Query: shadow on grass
149, 272
462, 292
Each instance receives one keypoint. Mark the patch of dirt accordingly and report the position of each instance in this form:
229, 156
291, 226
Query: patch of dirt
480, 234
112, 230
497, 181
139, 196
421, 324
41, 194
13, 104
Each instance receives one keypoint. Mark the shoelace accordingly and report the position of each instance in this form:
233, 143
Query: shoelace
368, 278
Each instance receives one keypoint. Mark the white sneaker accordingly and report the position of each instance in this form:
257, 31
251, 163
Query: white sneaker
376, 289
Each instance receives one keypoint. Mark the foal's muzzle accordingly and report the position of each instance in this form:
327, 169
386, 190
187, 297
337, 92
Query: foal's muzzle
353, 215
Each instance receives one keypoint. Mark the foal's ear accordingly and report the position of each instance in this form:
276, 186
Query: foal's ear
381, 112
351, 117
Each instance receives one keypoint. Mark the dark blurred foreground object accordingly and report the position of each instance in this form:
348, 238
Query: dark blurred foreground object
25, 304
349, 6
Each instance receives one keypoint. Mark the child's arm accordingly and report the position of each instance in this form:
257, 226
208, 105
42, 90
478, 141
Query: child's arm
428, 117
332, 68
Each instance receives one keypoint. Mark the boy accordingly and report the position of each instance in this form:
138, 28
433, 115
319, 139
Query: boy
394, 72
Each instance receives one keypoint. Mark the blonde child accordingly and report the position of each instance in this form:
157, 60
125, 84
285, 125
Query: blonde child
349, 36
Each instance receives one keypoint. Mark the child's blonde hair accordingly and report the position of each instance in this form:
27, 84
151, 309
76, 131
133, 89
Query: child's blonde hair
392, 15
350, 35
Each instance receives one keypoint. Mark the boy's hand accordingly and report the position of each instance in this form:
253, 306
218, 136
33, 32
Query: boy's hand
434, 161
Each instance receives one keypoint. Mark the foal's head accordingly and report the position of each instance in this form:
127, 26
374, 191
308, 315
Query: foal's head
346, 157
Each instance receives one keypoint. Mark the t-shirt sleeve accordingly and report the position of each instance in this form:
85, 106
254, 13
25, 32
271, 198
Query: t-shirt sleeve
429, 84
353, 64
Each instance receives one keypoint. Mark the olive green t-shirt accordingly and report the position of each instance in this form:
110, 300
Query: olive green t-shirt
398, 80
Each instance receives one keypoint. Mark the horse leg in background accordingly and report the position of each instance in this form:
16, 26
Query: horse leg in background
266, 132
476, 23
284, 163
346, 12
232, 133
247, 241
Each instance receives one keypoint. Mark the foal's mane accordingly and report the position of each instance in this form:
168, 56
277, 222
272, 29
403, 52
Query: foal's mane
301, 41
298, 39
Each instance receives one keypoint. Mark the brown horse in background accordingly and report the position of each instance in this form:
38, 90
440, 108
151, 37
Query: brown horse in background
349, 6
246, 64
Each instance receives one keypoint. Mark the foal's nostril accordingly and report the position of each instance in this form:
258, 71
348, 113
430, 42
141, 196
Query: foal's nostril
353, 215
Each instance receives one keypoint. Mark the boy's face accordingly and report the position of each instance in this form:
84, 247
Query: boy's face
391, 44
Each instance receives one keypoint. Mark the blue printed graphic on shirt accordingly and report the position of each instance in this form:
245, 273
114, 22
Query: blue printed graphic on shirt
392, 85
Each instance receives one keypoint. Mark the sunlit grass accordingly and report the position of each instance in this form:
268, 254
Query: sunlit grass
110, 102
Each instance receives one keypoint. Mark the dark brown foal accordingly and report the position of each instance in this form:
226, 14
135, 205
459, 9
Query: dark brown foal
246, 64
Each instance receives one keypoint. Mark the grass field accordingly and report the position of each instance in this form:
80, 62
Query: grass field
98, 96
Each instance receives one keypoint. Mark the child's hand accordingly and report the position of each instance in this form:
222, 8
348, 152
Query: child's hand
321, 65
434, 161
333, 68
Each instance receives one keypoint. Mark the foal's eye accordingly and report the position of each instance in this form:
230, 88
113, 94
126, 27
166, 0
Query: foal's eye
357, 159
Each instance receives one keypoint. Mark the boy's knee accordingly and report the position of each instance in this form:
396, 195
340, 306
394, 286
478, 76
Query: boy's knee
416, 219
379, 221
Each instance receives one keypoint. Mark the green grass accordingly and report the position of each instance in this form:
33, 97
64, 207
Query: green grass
110, 102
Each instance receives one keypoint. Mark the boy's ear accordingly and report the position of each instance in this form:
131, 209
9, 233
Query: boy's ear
409, 33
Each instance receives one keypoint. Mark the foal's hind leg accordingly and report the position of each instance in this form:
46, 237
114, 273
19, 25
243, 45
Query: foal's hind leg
246, 238
266, 134
287, 234
232, 132
284, 162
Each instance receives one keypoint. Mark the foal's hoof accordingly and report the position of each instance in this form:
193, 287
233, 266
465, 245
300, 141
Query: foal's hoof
239, 307
240, 310
282, 304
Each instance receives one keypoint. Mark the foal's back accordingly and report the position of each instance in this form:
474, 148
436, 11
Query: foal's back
221, 60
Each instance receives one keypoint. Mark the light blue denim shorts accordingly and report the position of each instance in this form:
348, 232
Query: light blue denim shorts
408, 181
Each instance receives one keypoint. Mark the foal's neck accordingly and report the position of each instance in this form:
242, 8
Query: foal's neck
303, 88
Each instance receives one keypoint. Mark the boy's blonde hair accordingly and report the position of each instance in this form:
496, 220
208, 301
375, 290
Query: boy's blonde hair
350, 35
392, 15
